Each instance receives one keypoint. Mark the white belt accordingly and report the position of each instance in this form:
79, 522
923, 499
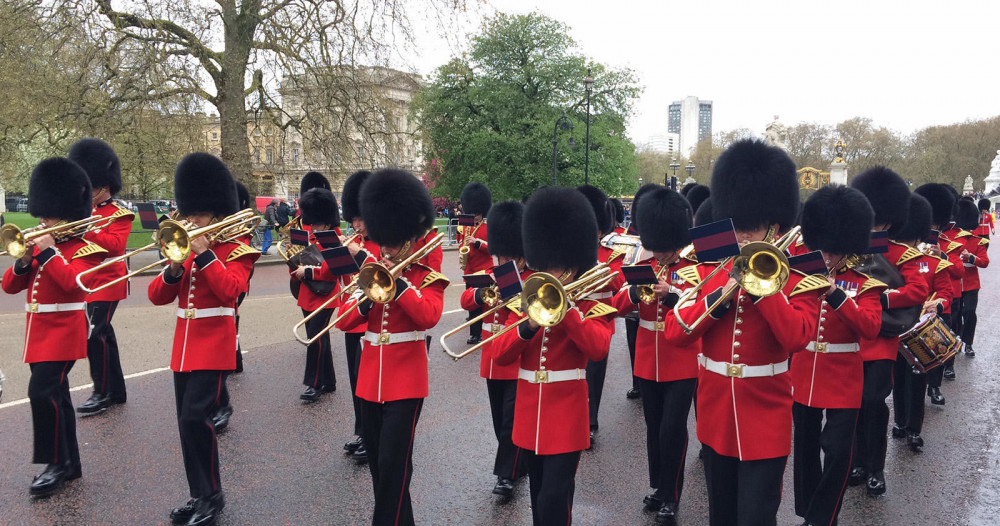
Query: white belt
825, 347
606, 295
548, 377
492, 327
655, 326
741, 370
389, 338
54, 307
194, 314
969, 265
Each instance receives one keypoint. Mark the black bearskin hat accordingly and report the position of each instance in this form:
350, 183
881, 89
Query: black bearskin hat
504, 232
396, 207
643, 190
349, 196
202, 183
319, 207
476, 199
966, 215
985, 205
99, 160
664, 220
243, 196
619, 210
888, 194
918, 221
687, 188
838, 220
941, 200
60, 189
559, 230
704, 214
603, 209
312, 180
697, 195
755, 185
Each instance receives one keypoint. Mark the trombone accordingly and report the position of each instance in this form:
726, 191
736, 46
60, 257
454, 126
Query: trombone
174, 239
645, 292
761, 269
543, 299
375, 280
15, 240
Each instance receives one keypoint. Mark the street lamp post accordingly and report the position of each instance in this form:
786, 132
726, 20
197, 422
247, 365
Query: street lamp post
673, 168
689, 168
588, 82
563, 122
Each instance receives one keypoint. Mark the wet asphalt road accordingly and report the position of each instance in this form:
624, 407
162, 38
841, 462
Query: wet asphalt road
282, 461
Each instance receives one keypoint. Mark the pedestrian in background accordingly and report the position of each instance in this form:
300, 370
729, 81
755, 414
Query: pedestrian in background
270, 220
283, 212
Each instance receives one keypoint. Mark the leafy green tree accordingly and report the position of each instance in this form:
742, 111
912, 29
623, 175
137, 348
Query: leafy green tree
489, 114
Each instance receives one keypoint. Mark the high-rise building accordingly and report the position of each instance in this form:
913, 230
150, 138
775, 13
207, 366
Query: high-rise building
691, 118
662, 143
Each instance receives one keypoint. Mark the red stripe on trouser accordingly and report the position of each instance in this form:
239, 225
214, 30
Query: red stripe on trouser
569, 504
680, 472
406, 465
850, 462
104, 340
55, 405
319, 358
513, 469
218, 391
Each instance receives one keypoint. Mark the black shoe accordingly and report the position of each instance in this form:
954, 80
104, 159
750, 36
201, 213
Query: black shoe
50, 480
632, 394
183, 514
949, 372
95, 405
876, 484
220, 420
936, 397
969, 351
667, 513
207, 510
360, 455
310, 395
353, 445
915, 442
857, 476
328, 388
898, 432
651, 502
593, 438
504, 487
473, 340
118, 399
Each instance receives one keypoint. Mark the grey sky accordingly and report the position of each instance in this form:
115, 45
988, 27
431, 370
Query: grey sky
905, 64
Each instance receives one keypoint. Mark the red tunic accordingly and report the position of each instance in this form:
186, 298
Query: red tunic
657, 359
478, 258
493, 324
114, 239
976, 246
553, 418
956, 271
751, 418
914, 292
833, 380
54, 334
371, 253
935, 271
307, 299
211, 284
985, 227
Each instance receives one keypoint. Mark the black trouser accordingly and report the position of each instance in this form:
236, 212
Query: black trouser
319, 358
745, 493
476, 329
596, 371
819, 485
197, 395
352, 347
908, 390
52, 416
936, 374
956, 315
873, 420
509, 461
102, 351
631, 331
970, 300
388, 430
552, 481
665, 406
239, 350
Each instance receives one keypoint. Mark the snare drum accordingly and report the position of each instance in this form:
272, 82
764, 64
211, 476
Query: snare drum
929, 343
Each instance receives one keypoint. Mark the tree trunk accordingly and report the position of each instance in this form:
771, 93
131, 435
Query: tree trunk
231, 101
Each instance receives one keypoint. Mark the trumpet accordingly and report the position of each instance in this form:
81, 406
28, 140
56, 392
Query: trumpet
174, 239
375, 281
15, 240
645, 292
544, 299
761, 269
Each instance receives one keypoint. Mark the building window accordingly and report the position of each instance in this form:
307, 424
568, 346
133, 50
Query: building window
215, 136
270, 155
295, 156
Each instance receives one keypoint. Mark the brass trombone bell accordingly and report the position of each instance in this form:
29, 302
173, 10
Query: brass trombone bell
15, 241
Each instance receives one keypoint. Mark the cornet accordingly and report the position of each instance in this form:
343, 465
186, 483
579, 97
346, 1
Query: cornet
645, 292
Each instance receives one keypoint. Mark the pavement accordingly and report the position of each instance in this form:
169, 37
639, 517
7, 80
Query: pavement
282, 461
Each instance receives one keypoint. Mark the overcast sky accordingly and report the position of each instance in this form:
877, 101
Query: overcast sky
905, 64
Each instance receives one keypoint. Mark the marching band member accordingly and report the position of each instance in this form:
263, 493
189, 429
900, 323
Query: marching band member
392, 377
309, 181
476, 200
632, 318
889, 197
619, 215
667, 373
102, 166
57, 325
986, 226
697, 195
550, 410
504, 237
206, 288
827, 376
908, 385
742, 384
974, 257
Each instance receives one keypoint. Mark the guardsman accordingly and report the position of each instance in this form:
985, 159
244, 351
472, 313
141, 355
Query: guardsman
619, 215
632, 318
392, 377
668, 374
986, 226
474, 253
504, 237
909, 385
104, 170
827, 376
550, 411
697, 195
973, 257
744, 395
206, 287
57, 326
889, 196
309, 181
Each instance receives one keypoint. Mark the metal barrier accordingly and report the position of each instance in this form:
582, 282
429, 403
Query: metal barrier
452, 232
